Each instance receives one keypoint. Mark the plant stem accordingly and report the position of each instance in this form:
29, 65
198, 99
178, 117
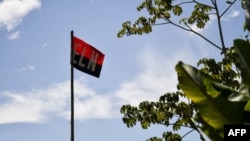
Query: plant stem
219, 26
190, 30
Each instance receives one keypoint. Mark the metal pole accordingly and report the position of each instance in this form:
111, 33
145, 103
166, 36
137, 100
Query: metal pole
72, 86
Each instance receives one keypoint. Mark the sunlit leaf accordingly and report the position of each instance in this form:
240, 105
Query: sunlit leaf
243, 48
242, 94
247, 107
216, 111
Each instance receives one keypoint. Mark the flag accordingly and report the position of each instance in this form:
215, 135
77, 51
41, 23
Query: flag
86, 58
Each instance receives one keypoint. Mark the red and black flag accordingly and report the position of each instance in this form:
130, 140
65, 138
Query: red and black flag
85, 57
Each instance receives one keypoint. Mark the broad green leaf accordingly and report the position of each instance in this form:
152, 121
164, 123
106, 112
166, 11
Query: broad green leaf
243, 49
214, 135
215, 109
247, 107
210, 88
242, 94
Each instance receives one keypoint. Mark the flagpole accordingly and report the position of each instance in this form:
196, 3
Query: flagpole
72, 87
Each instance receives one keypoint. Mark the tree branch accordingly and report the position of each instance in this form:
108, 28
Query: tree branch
184, 3
203, 37
172, 124
190, 30
203, 4
219, 26
170, 22
227, 8
194, 1
187, 133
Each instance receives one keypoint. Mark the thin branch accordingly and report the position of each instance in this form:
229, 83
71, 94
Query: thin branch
195, 127
203, 37
227, 9
211, 13
184, 3
203, 4
219, 26
193, 1
190, 30
187, 133
170, 22
213, 2
172, 124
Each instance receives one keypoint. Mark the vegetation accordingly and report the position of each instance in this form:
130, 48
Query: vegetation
215, 93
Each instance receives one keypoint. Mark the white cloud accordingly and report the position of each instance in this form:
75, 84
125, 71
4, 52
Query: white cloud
26, 68
96, 106
234, 13
156, 78
158, 75
36, 105
21, 108
14, 35
13, 11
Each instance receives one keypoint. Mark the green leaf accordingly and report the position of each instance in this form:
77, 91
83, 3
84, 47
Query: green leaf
243, 49
247, 107
177, 10
229, 2
215, 110
210, 89
242, 94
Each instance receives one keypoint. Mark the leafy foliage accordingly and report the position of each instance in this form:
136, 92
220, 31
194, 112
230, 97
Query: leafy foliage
222, 71
223, 105
207, 98
162, 113
161, 12
168, 136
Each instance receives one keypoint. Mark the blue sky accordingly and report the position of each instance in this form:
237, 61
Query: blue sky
35, 71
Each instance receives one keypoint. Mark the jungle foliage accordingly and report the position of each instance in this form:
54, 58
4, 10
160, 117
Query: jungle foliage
217, 93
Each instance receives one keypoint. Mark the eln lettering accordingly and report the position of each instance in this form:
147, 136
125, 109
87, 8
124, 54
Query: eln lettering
92, 60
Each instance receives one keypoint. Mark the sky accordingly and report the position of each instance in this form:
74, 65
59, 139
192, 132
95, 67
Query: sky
35, 68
